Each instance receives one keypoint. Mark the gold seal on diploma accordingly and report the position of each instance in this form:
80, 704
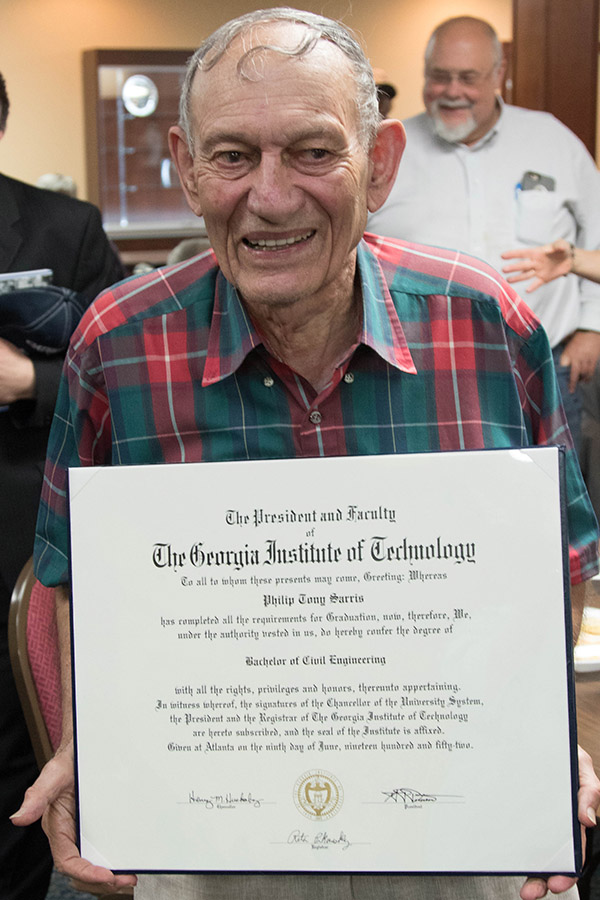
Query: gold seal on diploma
318, 794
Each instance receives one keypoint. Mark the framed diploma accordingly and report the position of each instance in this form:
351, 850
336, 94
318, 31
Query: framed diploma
346, 665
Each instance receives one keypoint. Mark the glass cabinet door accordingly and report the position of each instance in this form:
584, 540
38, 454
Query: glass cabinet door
132, 99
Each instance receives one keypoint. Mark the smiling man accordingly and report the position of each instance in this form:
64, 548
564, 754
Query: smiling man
488, 177
281, 164
464, 69
294, 338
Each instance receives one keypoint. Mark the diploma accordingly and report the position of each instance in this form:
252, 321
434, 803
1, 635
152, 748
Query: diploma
344, 665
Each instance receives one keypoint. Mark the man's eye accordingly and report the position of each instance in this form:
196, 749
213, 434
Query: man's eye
230, 157
312, 155
438, 76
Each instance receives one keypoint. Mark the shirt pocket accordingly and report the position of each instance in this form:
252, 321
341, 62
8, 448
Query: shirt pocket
541, 217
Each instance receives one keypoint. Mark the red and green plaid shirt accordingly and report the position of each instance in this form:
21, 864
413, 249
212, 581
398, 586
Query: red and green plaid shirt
169, 368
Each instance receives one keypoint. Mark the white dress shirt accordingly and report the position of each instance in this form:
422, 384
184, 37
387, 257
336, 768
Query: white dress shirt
471, 198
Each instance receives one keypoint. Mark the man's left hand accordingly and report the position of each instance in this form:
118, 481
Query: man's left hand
588, 801
581, 352
17, 374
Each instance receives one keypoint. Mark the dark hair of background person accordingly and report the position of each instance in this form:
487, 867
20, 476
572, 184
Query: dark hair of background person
4, 103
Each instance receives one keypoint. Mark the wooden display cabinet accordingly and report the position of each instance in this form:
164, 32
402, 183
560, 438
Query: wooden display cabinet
130, 175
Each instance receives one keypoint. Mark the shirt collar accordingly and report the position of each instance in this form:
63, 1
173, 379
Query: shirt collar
381, 329
232, 335
496, 127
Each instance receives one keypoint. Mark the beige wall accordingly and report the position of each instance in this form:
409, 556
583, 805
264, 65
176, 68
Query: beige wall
41, 43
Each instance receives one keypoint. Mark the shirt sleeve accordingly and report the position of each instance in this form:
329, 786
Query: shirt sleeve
547, 426
80, 436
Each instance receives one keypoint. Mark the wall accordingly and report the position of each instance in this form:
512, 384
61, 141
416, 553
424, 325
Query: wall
41, 43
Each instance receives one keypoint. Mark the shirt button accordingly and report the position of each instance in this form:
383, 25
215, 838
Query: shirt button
315, 417
348, 377
268, 381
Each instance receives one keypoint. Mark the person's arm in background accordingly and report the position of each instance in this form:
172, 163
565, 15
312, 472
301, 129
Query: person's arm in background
550, 261
582, 346
544, 264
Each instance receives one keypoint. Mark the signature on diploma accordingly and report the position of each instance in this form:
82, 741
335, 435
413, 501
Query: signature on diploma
226, 801
408, 797
320, 841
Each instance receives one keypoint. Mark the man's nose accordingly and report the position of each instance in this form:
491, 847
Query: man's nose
273, 194
453, 86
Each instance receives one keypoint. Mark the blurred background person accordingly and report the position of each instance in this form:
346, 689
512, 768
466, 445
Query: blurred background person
484, 176
385, 92
54, 181
39, 229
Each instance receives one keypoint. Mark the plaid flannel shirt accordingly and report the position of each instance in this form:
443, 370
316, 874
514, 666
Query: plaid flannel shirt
170, 368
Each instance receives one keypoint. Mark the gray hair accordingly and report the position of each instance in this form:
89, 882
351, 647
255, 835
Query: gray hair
61, 184
318, 28
485, 28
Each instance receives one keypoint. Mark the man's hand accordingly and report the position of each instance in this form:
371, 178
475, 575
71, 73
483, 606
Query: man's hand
588, 801
581, 352
17, 374
543, 264
52, 798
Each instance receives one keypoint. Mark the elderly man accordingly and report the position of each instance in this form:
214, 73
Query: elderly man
295, 338
487, 177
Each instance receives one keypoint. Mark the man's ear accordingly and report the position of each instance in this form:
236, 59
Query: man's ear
385, 158
500, 73
184, 164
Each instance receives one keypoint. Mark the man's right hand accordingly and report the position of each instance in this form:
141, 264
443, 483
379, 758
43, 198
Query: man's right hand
52, 798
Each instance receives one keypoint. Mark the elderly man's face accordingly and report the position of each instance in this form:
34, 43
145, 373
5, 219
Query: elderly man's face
279, 172
461, 79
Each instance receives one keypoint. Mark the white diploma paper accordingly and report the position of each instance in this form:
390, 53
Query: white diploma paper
354, 664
